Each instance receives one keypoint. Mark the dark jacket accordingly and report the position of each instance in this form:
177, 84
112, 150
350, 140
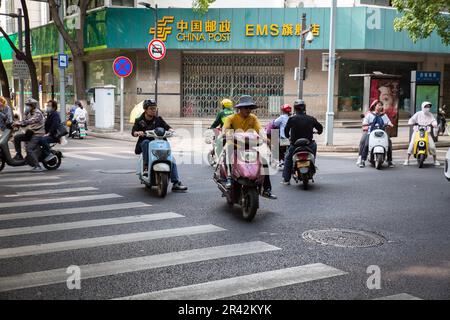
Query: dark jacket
301, 126
52, 123
142, 124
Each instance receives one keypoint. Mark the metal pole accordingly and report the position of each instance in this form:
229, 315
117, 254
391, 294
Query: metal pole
301, 59
62, 76
331, 71
156, 61
121, 104
21, 85
52, 73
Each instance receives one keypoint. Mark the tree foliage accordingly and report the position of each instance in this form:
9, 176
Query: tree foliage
422, 17
201, 5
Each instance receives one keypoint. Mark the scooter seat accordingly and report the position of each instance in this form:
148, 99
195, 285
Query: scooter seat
302, 142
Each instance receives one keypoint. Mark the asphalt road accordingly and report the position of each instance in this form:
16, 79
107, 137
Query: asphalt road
407, 206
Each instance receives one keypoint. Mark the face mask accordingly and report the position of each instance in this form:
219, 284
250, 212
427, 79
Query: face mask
48, 109
27, 109
426, 110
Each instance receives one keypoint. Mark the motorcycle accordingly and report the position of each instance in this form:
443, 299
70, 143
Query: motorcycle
5, 155
378, 147
304, 167
246, 177
159, 161
213, 154
442, 122
420, 146
79, 128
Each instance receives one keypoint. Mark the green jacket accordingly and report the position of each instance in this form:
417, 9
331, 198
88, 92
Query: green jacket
220, 119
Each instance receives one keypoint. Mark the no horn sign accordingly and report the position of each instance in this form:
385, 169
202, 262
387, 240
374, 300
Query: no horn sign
122, 67
156, 49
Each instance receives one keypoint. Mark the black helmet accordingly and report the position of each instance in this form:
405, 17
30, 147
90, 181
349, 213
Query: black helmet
160, 132
149, 103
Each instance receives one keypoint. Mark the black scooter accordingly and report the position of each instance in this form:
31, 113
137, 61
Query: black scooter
5, 155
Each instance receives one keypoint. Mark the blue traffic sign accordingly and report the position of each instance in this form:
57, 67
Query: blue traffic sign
63, 61
122, 66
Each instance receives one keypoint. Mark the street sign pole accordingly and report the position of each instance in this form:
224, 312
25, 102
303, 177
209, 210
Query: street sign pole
62, 75
122, 67
21, 86
156, 61
121, 104
331, 71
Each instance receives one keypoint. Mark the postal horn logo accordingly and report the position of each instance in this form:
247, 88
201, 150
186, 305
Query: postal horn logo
163, 29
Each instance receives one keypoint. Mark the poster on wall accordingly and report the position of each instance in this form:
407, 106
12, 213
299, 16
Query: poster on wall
386, 90
427, 93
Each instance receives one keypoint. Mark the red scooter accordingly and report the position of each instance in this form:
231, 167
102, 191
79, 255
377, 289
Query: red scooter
247, 180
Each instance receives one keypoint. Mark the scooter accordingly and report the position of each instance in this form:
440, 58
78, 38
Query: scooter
159, 162
303, 161
378, 147
421, 141
442, 122
213, 154
246, 177
5, 155
80, 128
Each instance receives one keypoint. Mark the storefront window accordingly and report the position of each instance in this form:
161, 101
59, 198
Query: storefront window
351, 89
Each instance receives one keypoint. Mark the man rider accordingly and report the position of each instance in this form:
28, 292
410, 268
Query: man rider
370, 120
149, 121
52, 123
245, 120
6, 116
34, 122
299, 126
423, 118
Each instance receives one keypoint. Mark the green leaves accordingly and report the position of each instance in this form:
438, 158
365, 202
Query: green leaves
422, 17
201, 5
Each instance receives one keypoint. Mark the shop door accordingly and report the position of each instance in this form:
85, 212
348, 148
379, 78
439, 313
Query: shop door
207, 79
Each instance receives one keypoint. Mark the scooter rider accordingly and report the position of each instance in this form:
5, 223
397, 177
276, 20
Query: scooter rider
52, 123
6, 116
299, 126
423, 118
149, 121
80, 113
280, 123
370, 120
227, 110
365, 128
34, 123
245, 120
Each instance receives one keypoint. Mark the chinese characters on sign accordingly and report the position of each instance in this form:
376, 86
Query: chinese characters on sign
220, 31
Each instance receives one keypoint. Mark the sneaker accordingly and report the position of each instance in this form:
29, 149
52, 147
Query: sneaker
358, 161
18, 157
391, 164
285, 183
37, 169
228, 183
145, 171
269, 195
362, 164
177, 186
50, 157
437, 163
406, 163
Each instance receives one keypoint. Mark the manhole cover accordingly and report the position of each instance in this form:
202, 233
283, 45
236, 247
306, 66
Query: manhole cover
344, 238
118, 171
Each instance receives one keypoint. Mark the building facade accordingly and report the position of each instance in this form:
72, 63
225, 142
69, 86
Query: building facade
228, 52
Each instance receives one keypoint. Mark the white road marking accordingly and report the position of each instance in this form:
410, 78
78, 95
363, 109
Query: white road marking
105, 241
108, 154
50, 191
31, 177
47, 277
45, 184
244, 284
61, 212
59, 200
400, 296
87, 224
81, 157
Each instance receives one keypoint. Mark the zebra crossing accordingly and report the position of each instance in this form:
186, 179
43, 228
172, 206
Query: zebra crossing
78, 203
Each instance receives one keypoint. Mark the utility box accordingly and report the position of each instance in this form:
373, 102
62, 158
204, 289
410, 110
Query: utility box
104, 106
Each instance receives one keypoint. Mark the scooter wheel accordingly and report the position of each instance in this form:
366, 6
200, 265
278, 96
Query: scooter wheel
2, 162
249, 203
421, 160
53, 164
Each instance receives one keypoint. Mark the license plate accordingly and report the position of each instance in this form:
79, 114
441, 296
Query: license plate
303, 164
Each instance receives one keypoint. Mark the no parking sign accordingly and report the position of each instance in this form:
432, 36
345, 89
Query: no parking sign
156, 49
122, 67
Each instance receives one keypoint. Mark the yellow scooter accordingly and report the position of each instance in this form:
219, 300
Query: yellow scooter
421, 141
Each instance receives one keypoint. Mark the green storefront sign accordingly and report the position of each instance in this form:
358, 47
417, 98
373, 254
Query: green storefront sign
358, 28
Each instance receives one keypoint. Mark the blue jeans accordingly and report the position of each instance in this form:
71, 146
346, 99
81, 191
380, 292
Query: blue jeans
288, 163
45, 143
174, 178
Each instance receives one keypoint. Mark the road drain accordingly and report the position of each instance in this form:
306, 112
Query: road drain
345, 238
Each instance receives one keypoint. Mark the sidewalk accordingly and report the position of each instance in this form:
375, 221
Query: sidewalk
344, 140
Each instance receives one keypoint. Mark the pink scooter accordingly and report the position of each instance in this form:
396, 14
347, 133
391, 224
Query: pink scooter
246, 176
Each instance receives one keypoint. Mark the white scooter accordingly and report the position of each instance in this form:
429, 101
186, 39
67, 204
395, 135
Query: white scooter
378, 147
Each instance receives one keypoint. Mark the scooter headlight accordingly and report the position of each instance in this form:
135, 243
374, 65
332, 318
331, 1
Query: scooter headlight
161, 154
379, 134
421, 144
248, 156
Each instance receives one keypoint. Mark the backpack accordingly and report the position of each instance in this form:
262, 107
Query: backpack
377, 121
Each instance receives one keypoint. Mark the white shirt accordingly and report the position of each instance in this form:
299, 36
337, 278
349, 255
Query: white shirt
280, 122
370, 117
80, 113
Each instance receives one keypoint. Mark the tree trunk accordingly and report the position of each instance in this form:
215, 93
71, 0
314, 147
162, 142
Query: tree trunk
4, 82
33, 77
80, 75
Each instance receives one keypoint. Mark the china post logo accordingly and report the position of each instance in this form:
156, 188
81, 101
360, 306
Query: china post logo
163, 29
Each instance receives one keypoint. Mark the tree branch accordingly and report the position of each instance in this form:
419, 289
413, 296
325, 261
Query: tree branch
11, 44
27, 28
60, 26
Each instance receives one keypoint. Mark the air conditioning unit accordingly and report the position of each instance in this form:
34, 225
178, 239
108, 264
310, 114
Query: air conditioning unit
294, 4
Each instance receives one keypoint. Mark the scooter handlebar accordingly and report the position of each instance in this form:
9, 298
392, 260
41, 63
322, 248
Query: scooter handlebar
152, 134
